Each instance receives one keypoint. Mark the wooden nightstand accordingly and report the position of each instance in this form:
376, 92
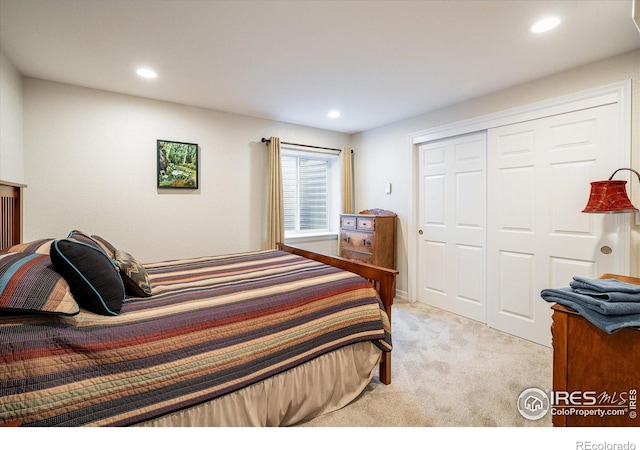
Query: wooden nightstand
588, 360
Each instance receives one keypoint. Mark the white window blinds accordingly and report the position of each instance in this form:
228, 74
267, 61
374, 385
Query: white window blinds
305, 182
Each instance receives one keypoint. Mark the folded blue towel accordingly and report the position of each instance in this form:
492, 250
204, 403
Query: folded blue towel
609, 297
599, 305
605, 285
608, 323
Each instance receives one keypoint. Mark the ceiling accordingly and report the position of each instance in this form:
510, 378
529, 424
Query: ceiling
376, 61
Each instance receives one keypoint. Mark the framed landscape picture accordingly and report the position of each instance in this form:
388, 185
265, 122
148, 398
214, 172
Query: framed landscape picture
177, 165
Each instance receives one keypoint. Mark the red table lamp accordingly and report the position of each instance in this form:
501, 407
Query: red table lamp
610, 196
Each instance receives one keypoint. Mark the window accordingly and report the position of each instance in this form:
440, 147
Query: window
307, 190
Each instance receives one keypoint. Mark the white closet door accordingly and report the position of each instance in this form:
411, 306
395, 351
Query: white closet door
452, 211
537, 237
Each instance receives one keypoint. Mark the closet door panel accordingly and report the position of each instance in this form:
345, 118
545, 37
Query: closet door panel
452, 239
537, 237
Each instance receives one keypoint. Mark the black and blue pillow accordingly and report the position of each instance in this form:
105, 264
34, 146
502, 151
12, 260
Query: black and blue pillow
93, 277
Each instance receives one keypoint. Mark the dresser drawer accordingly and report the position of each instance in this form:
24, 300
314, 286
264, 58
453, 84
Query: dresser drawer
348, 222
358, 256
358, 241
365, 223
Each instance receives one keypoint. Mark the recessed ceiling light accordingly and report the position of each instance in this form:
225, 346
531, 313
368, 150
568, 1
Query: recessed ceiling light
546, 24
334, 114
146, 73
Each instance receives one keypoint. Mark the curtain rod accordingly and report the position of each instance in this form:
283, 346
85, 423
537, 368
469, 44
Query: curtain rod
266, 141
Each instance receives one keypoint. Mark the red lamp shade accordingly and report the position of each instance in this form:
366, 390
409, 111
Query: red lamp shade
609, 196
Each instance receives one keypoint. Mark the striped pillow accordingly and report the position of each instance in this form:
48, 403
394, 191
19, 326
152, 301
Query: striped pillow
79, 236
106, 246
28, 283
38, 246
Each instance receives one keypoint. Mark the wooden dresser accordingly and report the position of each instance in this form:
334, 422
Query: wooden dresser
369, 237
596, 367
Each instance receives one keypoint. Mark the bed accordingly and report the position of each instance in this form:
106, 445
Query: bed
261, 338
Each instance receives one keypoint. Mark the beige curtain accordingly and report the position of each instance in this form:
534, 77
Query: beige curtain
347, 180
275, 207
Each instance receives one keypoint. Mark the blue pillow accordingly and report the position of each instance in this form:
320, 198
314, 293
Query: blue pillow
93, 277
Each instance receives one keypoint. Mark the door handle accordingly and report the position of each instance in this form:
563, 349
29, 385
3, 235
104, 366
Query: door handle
606, 250
420, 232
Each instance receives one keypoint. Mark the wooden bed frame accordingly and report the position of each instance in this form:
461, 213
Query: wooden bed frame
383, 279
10, 213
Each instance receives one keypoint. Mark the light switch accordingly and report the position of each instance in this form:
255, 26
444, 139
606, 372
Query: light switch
387, 188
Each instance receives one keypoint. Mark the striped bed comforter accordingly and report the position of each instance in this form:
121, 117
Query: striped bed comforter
212, 326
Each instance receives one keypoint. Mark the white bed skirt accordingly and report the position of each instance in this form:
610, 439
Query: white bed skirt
322, 385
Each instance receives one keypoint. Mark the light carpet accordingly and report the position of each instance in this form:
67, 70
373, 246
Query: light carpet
449, 371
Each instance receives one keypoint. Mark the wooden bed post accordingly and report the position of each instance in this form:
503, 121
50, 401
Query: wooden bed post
383, 280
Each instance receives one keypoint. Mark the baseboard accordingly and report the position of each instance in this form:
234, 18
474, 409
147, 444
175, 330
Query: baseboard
401, 295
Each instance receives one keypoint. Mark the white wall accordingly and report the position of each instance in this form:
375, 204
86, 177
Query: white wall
90, 164
385, 152
11, 123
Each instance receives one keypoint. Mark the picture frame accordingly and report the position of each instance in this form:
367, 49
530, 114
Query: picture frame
177, 165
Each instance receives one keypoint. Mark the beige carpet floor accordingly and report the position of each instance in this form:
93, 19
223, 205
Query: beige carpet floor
448, 371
